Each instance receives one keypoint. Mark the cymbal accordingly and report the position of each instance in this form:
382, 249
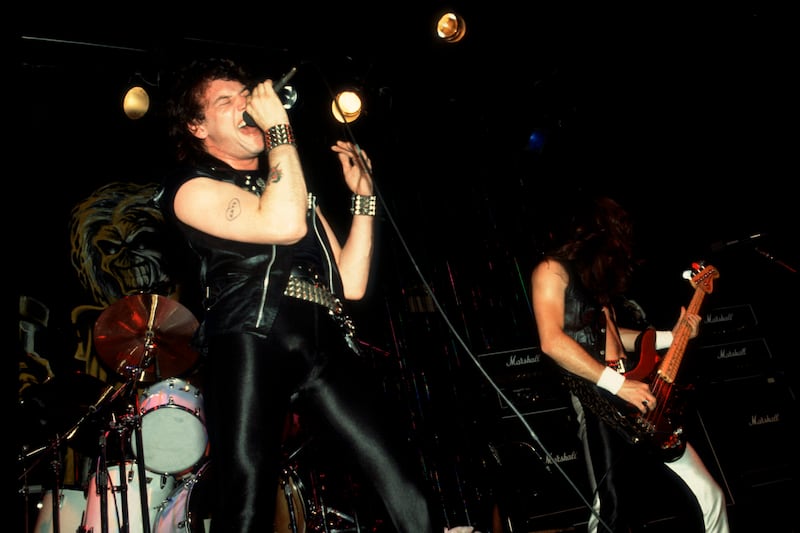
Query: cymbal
146, 332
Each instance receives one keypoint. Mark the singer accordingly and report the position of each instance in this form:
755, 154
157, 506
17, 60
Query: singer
275, 281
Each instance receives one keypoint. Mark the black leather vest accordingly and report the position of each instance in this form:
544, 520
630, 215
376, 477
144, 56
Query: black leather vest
242, 282
584, 319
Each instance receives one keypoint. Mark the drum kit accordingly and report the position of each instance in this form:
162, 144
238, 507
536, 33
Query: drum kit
145, 439
139, 436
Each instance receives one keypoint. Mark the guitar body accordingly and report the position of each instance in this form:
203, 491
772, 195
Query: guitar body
661, 435
660, 429
648, 360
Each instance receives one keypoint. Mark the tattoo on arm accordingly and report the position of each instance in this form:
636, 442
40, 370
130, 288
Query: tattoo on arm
234, 209
274, 175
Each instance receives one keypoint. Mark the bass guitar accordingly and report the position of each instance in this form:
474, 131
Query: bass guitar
659, 428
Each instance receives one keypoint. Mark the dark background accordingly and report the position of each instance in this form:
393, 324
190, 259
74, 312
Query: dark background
685, 115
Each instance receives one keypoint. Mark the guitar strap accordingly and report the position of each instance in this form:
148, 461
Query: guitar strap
615, 350
602, 404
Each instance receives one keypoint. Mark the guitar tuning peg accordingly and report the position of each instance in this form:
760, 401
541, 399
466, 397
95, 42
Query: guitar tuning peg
687, 274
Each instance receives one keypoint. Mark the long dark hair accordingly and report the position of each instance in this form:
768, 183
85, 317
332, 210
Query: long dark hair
599, 244
185, 104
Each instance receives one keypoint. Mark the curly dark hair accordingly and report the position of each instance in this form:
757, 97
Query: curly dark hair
600, 245
185, 105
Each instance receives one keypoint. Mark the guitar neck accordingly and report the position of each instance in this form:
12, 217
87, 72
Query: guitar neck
668, 369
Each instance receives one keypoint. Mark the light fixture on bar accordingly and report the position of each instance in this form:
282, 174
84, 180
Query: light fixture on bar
136, 102
347, 106
451, 27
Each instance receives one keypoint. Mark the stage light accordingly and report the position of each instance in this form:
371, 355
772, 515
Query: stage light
136, 102
347, 106
451, 27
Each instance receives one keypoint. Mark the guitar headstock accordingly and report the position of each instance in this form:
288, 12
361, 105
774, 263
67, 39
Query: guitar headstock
702, 276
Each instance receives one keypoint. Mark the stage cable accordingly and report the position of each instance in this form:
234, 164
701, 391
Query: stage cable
548, 458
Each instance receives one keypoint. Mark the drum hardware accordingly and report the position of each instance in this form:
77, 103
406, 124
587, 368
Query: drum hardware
122, 426
128, 423
329, 520
140, 338
319, 517
290, 487
71, 505
188, 507
123, 506
54, 450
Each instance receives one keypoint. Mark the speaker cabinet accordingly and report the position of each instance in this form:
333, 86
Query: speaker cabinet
750, 427
739, 359
540, 484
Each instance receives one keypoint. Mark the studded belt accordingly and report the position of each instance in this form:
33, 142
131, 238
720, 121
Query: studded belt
303, 289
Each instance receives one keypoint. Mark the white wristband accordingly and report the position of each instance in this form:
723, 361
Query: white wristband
663, 339
611, 380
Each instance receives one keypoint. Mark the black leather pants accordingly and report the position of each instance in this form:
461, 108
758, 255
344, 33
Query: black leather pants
251, 382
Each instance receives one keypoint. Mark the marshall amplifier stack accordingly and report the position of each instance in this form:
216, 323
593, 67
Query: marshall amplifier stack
533, 493
527, 379
746, 409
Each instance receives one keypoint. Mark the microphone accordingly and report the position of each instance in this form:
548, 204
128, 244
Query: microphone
721, 245
277, 86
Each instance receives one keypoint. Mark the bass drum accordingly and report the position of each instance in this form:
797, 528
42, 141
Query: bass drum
187, 510
72, 504
158, 488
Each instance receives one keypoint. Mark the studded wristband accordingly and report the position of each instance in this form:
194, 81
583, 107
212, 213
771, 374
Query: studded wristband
363, 205
279, 134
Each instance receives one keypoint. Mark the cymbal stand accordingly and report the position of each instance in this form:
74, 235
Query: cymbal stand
140, 466
131, 418
101, 480
25, 491
101, 468
123, 431
55, 495
55, 464
136, 420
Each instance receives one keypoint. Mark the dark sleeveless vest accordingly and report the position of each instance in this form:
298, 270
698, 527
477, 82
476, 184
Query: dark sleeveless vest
242, 283
584, 319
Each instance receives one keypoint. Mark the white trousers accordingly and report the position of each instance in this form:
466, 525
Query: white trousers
689, 467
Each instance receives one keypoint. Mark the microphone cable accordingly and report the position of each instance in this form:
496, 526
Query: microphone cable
548, 458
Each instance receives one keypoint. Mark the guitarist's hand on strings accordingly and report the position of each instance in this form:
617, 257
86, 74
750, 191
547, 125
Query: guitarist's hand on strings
638, 394
687, 320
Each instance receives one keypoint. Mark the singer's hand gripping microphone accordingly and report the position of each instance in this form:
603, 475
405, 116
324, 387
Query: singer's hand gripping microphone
277, 86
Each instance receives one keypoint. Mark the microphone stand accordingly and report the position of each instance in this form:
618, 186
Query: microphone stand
772, 258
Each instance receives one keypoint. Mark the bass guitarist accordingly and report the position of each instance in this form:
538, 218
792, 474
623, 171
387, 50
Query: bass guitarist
573, 288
